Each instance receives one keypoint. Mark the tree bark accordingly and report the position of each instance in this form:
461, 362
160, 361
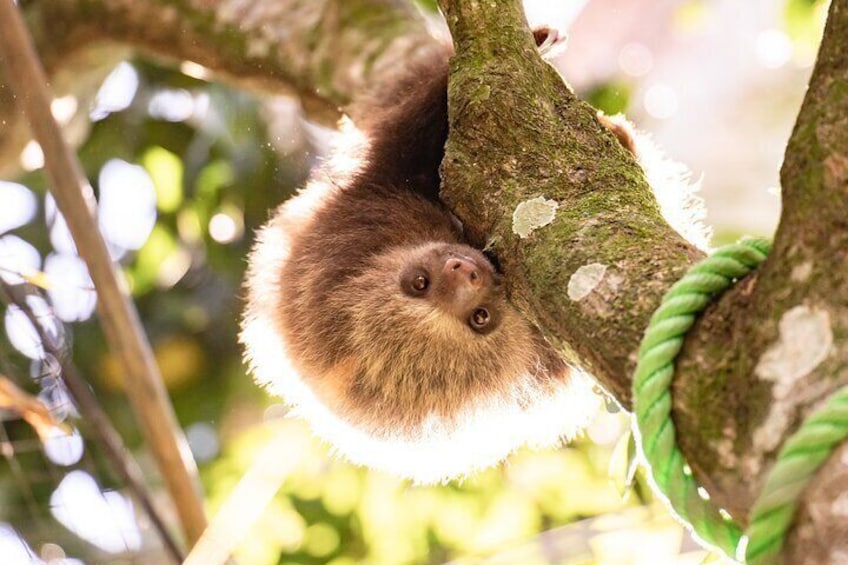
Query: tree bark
765, 355
327, 52
756, 362
771, 350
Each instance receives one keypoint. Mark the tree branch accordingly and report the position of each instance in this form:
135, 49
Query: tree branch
518, 133
118, 316
774, 347
759, 359
799, 281
94, 417
327, 52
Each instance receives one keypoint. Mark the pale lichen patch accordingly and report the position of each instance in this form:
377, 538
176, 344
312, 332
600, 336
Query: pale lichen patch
839, 507
805, 340
769, 434
584, 280
533, 214
838, 555
726, 456
801, 273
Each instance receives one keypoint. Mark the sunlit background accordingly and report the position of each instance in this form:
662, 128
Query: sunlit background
184, 170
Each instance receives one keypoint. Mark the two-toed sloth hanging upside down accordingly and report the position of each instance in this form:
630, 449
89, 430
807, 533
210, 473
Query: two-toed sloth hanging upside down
378, 324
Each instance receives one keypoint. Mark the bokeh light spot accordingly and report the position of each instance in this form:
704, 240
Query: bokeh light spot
117, 91
71, 294
32, 157
171, 104
127, 205
102, 518
773, 48
64, 448
21, 333
19, 206
661, 101
17, 257
203, 441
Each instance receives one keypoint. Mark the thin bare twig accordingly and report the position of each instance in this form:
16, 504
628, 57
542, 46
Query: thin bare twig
118, 316
96, 419
246, 502
28, 407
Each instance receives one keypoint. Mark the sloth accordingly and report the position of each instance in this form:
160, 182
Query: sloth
375, 320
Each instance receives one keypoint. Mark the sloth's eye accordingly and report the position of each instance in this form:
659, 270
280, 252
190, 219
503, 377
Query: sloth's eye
479, 318
420, 283
416, 283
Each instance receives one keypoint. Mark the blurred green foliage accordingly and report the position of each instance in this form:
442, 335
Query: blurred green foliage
805, 21
219, 162
331, 512
186, 284
612, 97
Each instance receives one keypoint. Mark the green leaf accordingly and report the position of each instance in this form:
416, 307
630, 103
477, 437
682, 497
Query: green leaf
624, 463
160, 245
166, 170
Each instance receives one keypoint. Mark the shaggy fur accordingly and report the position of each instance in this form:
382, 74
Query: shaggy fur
393, 381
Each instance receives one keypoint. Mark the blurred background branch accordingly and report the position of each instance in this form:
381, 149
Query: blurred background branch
96, 422
326, 52
121, 324
188, 145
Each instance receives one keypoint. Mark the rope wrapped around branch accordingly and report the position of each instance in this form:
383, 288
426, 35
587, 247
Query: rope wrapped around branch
801, 456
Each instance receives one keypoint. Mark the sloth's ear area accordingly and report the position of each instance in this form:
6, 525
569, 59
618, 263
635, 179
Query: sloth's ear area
621, 129
550, 41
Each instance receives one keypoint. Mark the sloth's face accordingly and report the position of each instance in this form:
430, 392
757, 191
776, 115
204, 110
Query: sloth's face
456, 280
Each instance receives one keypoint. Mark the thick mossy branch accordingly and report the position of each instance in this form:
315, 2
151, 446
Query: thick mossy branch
775, 346
807, 276
743, 383
518, 133
327, 52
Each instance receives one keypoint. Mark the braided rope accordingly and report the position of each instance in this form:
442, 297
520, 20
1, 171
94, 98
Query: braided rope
799, 459
654, 371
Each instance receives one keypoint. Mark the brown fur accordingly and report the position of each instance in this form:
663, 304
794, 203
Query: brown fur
621, 131
383, 360
390, 366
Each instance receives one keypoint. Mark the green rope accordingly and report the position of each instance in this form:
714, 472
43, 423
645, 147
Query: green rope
801, 456
652, 397
799, 459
